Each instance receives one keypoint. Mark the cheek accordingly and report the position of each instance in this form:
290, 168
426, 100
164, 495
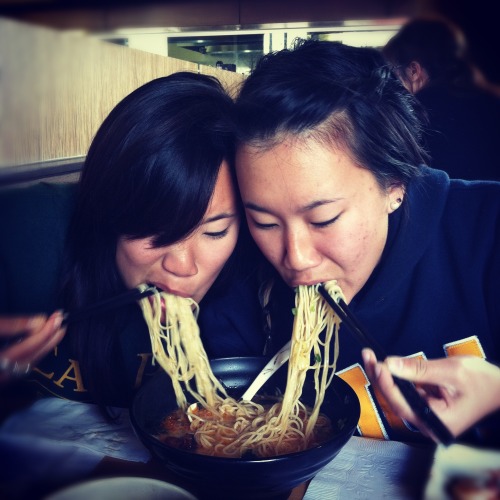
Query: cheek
133, 260
219, 255
347, 247
125, 263
365, 248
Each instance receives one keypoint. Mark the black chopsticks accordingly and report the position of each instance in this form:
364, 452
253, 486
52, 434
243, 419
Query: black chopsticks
415, 400
114, 302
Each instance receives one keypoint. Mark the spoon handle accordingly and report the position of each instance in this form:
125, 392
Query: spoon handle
271, 367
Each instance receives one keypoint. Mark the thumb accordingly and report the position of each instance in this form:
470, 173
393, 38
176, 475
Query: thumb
415, 369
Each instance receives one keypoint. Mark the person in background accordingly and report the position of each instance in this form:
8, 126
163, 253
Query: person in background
156, 203
461, 390
332, 177
430, 57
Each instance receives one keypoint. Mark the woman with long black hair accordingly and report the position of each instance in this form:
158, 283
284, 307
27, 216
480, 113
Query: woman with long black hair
156, 203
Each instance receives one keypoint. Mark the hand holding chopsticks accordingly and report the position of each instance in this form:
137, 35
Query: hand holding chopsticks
24, 340
417, 403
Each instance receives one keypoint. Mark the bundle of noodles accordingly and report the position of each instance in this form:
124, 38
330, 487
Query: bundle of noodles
178, 349
313, 316
288, 426
231, 428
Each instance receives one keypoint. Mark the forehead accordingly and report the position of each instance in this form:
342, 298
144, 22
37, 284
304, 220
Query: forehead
299, 172
297, 159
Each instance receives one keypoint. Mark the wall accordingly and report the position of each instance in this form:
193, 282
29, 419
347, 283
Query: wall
56, 88
478, 18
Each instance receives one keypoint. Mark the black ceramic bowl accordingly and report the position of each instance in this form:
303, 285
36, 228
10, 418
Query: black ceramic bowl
215, 477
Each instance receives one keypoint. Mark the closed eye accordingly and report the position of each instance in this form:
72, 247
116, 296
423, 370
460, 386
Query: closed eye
325, 223
261, 225
216, 235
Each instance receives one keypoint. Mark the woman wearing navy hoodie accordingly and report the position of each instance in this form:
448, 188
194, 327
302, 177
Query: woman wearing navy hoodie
332, 177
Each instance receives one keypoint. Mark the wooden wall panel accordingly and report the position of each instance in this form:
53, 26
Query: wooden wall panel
56, 88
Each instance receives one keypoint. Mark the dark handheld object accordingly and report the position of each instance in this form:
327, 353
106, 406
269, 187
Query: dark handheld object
107, 304
417, 403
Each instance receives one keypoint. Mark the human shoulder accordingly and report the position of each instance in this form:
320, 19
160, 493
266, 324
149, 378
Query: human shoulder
472, 216
474, 203
438, 204
483, 192
435, 182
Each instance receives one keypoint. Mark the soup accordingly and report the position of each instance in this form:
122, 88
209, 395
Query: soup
242, 430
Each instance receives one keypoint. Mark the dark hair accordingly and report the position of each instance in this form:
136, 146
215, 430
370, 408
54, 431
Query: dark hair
150, 172
437, 45
342, 94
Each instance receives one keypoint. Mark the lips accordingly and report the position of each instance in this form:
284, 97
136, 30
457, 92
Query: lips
295, 283
171, 291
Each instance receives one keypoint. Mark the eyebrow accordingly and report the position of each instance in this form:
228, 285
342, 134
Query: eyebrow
305, 208
223, 215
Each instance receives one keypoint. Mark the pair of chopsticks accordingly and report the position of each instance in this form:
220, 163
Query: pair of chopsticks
417, 403
115, 302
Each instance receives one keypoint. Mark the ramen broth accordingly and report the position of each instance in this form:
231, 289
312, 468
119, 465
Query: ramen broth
176, 432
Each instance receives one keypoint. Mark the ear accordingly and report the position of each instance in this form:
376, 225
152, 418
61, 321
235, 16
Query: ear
416, 76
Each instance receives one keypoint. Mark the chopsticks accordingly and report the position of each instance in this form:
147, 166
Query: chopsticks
119, 300
417, 403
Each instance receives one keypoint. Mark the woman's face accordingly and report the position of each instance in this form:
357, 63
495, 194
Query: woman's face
314, 213
189, 267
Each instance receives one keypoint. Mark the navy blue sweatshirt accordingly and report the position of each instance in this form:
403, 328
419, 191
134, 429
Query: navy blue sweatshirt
434, 293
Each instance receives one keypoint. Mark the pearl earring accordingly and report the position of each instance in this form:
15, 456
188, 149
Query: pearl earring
395, 204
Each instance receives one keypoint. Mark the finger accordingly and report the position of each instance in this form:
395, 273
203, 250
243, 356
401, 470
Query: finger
391, 393
35, 344
415, 369
399, 404
369, 361
368, 356
15, 325
52, 342
435, 378
439, 377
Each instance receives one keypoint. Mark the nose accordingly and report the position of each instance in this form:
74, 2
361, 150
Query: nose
300, 251
179, 260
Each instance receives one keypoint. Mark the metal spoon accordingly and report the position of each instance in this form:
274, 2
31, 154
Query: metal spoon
272, 366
